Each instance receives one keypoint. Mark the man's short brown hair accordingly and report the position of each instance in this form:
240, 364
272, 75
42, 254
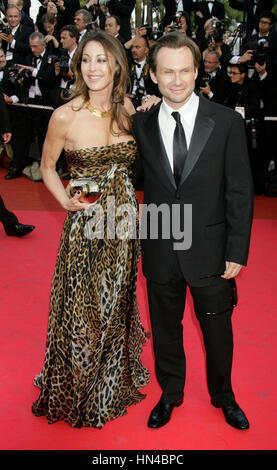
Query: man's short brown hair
173, 40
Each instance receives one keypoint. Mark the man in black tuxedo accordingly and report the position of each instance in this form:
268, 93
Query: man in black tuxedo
253, 10
199, 202
15, 44
205, 10
112, 26
9, 220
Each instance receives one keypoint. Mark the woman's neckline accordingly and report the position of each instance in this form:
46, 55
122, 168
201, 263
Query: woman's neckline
101, 146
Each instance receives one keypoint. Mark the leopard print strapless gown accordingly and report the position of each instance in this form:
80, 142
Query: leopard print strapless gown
92, 370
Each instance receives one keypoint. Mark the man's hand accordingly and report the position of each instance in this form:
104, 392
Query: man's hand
206, 89
231, 270
245, 57
6, 37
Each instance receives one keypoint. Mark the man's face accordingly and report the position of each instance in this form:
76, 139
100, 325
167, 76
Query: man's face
79, 22
36, 47
175, 75
13, 17
139, 50
111, 26
265, 26
235, 75
67, 41
211, 63
2, 60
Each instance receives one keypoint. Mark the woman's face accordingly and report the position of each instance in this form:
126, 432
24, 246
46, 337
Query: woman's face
97, 67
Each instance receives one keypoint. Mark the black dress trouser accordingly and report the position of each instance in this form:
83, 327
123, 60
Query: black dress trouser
213, 308
6, 217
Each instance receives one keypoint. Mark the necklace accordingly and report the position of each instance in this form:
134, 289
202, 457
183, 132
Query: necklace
96, 112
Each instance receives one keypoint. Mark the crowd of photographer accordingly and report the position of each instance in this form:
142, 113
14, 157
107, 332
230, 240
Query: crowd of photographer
238, 68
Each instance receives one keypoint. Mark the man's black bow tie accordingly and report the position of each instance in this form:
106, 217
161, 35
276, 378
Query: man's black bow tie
138, 65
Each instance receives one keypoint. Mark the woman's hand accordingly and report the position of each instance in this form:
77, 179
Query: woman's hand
73, 204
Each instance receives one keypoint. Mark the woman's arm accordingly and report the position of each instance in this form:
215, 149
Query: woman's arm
53, 146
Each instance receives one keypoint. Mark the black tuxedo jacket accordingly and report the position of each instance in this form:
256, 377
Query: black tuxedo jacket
48, 81
216, 181
21, 48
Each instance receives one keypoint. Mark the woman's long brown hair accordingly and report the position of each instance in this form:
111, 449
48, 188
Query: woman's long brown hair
121, 76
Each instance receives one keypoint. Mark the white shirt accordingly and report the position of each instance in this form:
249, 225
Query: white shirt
81, 35
35, 72
167, 123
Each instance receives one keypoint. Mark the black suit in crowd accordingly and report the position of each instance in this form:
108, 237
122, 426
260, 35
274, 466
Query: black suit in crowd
123, 9
252, 13
218, 10
216, 182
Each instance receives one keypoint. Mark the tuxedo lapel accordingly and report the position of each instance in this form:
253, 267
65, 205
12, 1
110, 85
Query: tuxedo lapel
159, 153
203, 127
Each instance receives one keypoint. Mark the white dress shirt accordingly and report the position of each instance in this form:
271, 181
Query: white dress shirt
167, 123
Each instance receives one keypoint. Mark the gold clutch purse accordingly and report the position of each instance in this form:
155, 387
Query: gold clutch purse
88, 188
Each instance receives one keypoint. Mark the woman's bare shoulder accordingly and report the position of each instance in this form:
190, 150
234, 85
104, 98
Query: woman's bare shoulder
65, 114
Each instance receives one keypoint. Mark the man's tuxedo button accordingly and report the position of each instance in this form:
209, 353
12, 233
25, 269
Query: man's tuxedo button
177, 195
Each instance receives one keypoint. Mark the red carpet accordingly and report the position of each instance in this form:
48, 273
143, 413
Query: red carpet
25, 277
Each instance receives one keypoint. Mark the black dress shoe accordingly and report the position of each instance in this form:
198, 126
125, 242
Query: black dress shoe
18, 230
13, 173
234, 415
160, 415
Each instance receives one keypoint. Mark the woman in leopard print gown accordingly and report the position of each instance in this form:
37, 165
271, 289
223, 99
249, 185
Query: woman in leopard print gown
92, 370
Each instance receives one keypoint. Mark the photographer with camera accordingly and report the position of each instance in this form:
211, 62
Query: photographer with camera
214, 32
245, 97
59, 9
206, 10
25, 20
212, 81
15, 37
174, 8
39, 82
260, 47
